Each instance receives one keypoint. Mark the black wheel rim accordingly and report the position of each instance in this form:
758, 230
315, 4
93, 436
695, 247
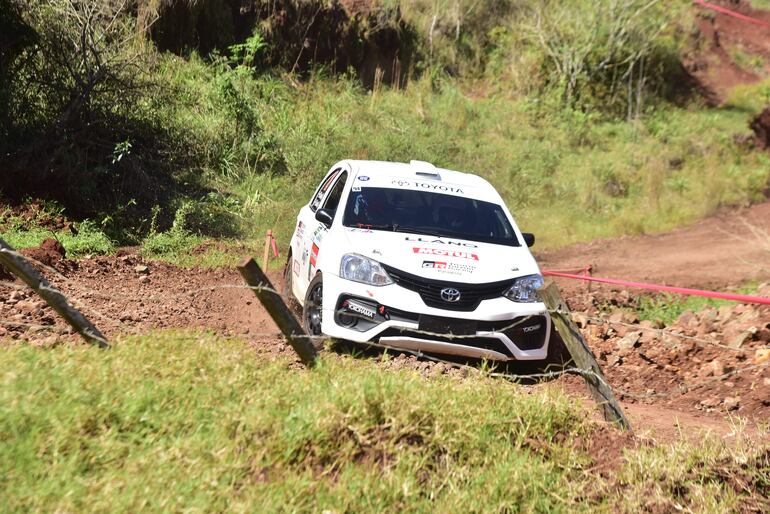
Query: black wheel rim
313, 312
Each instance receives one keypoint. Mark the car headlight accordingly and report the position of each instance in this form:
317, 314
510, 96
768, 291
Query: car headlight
362, 269
524, 289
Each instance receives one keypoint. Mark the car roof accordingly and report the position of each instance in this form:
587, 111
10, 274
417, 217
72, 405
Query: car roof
422, 170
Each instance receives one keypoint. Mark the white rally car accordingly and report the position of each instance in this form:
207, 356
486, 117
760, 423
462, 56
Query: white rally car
420, 258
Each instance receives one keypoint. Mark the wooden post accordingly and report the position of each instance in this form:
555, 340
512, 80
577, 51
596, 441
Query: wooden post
583, 357
20, 267
266, 256
278, 310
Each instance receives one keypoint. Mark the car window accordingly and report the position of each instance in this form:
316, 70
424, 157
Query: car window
424, 212
333, 198
321, 193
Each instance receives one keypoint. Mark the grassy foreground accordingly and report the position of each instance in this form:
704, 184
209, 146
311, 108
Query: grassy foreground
191, 422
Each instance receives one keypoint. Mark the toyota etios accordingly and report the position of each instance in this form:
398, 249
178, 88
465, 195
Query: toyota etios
420, 258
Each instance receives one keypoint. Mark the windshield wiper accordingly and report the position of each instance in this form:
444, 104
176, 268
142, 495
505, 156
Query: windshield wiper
420, 231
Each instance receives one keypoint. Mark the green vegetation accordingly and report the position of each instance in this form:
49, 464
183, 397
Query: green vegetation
188, 421
570, 112
668, 307
747, 61
22, 232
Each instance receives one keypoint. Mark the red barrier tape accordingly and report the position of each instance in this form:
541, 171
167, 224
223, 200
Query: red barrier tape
734, 14
668, 289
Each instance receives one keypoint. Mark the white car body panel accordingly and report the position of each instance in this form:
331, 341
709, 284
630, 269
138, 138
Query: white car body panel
314, 249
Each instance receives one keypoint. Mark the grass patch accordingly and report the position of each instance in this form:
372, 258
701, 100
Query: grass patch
750, 62
89, 240
188, 421
668, 307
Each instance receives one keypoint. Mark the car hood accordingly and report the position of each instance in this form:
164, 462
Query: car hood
442, 258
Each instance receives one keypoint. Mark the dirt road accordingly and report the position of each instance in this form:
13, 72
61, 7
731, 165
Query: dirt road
722, 251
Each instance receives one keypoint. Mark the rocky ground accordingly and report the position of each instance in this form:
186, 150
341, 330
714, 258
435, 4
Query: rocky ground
713, 361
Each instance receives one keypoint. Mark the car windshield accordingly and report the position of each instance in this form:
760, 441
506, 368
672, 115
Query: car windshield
423, 212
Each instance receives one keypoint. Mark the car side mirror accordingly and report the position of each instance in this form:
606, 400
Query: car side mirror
325, 216
529, 238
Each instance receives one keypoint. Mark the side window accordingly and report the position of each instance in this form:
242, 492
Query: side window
321, 193
333, 198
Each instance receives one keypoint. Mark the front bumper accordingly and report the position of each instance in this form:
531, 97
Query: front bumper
390, 315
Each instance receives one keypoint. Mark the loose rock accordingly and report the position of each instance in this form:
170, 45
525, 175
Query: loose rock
731, 403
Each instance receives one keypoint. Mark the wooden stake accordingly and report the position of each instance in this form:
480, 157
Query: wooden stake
583, 357
20, 267
278, 310
266, 255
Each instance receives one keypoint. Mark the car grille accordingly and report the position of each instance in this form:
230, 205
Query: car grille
486, 343
430, 290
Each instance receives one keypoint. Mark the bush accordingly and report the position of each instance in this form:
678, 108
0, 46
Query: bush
177, 240
611, 57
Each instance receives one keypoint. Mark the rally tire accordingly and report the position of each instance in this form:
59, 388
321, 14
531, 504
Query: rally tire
312, 311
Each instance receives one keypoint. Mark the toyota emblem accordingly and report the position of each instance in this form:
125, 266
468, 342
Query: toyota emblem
450, 294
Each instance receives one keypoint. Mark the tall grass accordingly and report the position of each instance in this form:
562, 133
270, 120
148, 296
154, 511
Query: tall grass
191, 422
568, 175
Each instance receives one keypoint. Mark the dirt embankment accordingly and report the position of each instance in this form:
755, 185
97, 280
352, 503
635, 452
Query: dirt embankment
729, 51
360, 34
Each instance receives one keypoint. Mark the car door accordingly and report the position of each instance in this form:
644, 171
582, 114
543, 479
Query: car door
310, 232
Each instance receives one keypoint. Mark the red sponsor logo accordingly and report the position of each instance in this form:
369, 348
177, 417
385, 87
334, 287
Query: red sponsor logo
446, 253
434, 264
314, 255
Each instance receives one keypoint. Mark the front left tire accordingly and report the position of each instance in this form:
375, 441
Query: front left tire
312, 311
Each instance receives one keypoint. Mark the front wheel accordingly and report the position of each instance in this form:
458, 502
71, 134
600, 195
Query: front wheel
312, 311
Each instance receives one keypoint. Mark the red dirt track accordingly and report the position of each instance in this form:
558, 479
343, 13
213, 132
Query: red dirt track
724, 250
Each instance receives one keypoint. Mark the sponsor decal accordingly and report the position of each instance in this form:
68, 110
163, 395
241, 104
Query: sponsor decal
440, 242
318, 234
355, 189
446, 253
359, 308
428, 186
314, 255
449, 268
363, 178
531, 329
313, 260
300, 230
296, 267
304, 256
